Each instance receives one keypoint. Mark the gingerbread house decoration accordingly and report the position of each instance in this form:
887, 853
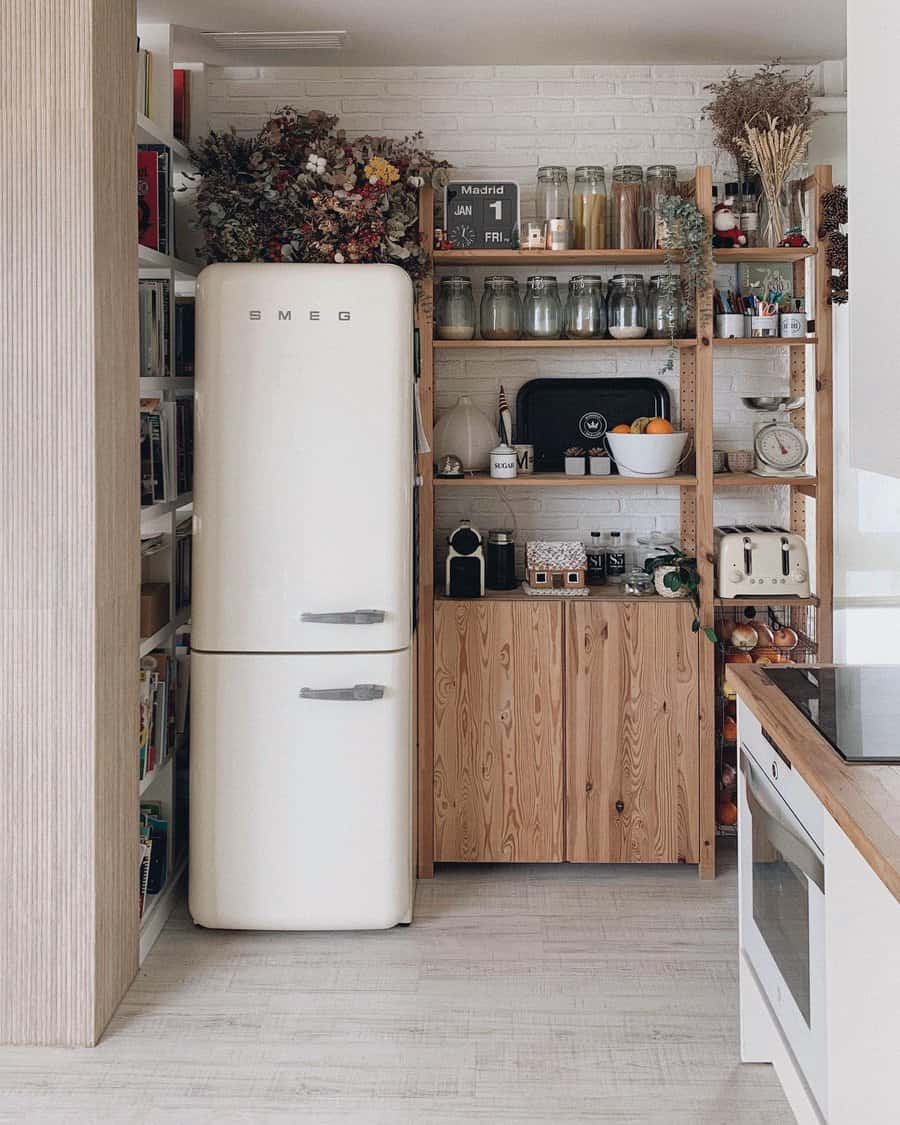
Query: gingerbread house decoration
555, 566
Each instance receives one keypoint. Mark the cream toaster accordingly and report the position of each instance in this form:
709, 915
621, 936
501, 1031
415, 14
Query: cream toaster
758, 559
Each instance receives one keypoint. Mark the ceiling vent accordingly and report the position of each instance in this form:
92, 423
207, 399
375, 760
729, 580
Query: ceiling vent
278, 40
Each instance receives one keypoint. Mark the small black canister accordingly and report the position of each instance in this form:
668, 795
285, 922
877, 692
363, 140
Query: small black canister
500, 565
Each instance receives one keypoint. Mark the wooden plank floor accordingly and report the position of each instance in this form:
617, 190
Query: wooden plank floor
520, 994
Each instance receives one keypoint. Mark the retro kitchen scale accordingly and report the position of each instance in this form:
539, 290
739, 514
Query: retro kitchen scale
779, 449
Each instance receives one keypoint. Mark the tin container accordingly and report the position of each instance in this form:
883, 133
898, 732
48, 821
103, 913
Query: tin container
558, 234
503, 462
792, 325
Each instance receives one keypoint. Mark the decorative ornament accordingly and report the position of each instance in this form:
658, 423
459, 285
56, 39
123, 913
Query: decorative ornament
834, 216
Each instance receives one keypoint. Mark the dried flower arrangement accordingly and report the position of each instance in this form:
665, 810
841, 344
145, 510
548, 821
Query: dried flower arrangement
772, 91
300, 191
771, 150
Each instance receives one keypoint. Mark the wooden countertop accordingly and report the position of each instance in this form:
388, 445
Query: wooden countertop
863, 799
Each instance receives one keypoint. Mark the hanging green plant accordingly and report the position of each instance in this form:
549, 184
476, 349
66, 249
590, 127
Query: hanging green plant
686, 241
680, 575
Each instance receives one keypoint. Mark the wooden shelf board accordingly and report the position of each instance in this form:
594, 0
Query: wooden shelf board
148, 644
149, 133
153, 776
151, 385
765, 342
596, 593
548, 257
655, 342
785, 600
751, 480
765, 254
154, 511
157, 908
562, 480
150, 259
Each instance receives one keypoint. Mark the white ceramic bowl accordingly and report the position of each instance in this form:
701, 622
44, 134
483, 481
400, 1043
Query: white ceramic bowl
647, 455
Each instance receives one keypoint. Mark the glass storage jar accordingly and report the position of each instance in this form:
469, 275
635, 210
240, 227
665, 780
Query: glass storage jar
501, 309
661, 181
589, 208
542, 317
626, 307
455, 311
552, 193
627, 197
665, 306
585, 308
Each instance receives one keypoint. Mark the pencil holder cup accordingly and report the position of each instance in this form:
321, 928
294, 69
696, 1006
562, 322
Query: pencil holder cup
764, 325
730, 326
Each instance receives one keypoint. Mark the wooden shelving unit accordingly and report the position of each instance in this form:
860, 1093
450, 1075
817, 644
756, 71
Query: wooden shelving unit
163, 517
697, 487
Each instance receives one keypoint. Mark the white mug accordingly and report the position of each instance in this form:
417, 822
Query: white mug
793, 325
524, 458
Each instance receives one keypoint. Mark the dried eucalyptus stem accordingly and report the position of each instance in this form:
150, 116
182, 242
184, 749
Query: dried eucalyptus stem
772, 153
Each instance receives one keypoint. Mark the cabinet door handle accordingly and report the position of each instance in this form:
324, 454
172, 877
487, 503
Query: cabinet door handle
620, 806
359, 693
347, 617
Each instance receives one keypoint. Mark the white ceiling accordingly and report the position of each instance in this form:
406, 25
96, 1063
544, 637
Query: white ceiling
524, 32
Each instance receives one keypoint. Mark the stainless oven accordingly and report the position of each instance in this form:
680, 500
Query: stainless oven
782, 895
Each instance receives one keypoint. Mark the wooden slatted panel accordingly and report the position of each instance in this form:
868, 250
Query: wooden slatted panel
498, 732
70, 565
632, 733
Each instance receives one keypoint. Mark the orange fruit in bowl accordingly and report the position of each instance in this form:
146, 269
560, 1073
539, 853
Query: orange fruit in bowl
659, 426
623, 429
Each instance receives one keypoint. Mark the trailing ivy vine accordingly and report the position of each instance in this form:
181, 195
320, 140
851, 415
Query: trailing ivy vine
687, 244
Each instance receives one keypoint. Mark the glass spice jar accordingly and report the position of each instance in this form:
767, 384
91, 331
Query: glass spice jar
627, 198
552, 193
589, 207
665, 307
626, 307
455, 310
585, 308
501, 309
542, 317
661, 182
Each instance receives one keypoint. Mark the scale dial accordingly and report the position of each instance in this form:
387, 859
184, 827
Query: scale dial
780, 447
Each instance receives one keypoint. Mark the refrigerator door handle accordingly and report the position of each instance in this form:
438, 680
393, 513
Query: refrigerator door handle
348, 617
359, 693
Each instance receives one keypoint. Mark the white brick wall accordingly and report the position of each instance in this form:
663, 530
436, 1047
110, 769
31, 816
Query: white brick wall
503, 122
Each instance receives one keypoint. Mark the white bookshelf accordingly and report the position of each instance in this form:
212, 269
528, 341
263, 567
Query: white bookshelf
163, 518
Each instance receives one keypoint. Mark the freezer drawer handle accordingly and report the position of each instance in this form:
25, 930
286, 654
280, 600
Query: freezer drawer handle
359, 693
349, 617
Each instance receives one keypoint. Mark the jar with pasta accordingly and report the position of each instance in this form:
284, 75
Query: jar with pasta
661, 182
589, 208
626, 211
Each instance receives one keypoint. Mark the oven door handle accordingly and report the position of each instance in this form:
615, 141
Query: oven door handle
780, 826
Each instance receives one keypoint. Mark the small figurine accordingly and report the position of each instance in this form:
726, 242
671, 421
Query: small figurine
726, 228
795, 238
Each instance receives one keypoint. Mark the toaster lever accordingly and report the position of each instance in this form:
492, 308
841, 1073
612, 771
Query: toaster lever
785, 557
748, 558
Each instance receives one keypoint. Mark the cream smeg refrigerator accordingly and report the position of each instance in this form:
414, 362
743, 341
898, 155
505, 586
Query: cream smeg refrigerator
301, 762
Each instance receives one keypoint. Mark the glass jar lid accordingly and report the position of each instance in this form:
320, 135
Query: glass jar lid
500, 535
541, 281
499, 281
662, 172
457, 282
629, 173
555, 173
627, 279
581, 282
590, 172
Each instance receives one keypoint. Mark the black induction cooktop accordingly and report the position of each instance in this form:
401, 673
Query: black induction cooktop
857, 708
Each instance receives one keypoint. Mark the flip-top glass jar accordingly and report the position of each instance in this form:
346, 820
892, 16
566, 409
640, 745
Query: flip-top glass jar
626, 307
585, 308
661, 181
552, 193
455, 311
501, 309
542, 317
665, 306
626, 211
589, 207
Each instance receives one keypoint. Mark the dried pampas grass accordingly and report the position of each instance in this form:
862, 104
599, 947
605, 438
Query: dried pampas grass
772, 152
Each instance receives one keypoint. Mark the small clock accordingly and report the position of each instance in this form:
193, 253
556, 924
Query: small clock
780, 449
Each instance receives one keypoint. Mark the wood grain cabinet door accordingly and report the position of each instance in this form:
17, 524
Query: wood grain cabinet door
498, 731
632, 733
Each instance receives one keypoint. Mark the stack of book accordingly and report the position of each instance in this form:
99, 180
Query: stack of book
154, 190
184, 336
183, 542
157, 714
154, 835
156, 470
144, 72
184, 444
153, 321
181, 104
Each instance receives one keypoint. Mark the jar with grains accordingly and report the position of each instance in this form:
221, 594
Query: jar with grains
501, 309
552, 193
661, 181
626, 307
455, 310
589, 207
627, 199
542, 317
585, 308
666, 315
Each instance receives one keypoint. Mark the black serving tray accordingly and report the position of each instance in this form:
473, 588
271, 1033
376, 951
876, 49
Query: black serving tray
554, 414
